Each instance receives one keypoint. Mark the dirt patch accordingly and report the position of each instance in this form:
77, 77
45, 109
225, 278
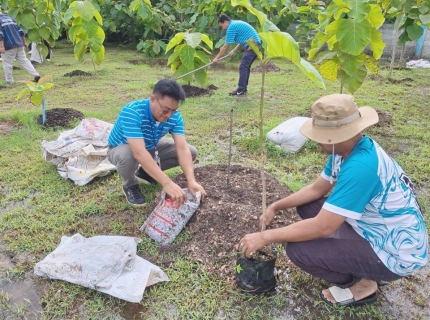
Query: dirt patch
159, 62
76, 73
400, 80
227, 214
8, 126
270, 67
385, 118
61, 64
60, 117
192, 91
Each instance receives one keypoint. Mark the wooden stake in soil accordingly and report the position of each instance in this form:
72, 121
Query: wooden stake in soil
229, 149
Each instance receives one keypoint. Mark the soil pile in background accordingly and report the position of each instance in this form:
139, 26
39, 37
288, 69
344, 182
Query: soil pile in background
76, 73
270, 67
60, 117
227, 214
191, 91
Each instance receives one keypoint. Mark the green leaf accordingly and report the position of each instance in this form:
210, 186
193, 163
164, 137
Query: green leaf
359, 10
45, 33
414, 31
47, 86
90, 27
34, 35
377, 45
281, 44
310, 71
79, 50
255, 48
98, 56
187, 57
23, 93
326, 55
98, 17
425, 18
36, 98
352, 83
375, 16
201, 77
68, 15
207, 40
203, 57
156, 48
175, 40
27, 20
353, 37
95, 43
372, 64
266, 24
85, 10
193, 39
350, 64
329, 69
173, 57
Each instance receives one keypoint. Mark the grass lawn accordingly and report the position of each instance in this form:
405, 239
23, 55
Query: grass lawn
37, 206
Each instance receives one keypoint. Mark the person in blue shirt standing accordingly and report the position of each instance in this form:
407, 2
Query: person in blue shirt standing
12, 43
369, 229
239, 32
137, 139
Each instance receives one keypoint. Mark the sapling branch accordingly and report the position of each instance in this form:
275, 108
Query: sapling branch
229, 149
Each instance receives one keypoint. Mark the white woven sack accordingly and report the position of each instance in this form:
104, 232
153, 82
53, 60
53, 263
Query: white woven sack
287, 136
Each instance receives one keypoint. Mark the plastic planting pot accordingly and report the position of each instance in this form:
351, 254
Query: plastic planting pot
255, 276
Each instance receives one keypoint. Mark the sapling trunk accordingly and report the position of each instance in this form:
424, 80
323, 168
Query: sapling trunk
396, 38
229, 148
263, 176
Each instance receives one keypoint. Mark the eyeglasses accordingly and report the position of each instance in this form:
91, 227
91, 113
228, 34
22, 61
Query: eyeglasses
164, 110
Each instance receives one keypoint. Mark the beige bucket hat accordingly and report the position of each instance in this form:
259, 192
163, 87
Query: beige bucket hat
336, 118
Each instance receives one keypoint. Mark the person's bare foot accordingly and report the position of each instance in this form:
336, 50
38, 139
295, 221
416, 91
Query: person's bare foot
359, 290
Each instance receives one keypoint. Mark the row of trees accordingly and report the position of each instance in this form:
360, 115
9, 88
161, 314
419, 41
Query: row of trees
333, 33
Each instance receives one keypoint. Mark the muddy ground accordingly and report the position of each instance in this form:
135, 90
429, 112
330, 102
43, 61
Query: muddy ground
230, 211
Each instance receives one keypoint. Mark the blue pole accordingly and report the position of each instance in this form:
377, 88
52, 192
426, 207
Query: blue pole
43, 111
420, 42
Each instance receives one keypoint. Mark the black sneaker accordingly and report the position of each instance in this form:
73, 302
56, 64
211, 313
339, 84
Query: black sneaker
238, 92
36, 79
133, 195
143, 177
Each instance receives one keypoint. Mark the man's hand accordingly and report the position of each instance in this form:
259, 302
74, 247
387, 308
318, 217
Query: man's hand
270, 214
231, 53
215, 60
2, 50
252, 242
194, 187
175, 192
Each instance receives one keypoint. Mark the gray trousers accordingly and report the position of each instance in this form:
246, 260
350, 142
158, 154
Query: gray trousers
19, 55
343, 258
126, 165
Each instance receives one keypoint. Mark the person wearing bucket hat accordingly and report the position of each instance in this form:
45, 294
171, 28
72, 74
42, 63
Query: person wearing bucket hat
369, 229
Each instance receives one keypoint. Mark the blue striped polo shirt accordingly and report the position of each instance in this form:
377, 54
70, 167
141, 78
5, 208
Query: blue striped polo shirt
239, 31
136, 121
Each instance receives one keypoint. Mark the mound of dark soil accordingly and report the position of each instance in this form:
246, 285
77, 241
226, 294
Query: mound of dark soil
270, 67
76, 73
385, 118
60, 117
191, 91
227, 214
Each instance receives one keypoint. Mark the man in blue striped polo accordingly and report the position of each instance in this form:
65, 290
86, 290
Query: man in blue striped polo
137, 139
239, 32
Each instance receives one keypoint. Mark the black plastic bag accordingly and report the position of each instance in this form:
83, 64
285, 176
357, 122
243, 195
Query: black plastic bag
255, 276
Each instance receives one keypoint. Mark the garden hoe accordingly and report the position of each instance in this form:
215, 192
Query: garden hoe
206, 65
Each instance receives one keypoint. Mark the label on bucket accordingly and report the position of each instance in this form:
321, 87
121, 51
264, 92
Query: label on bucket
168, 219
